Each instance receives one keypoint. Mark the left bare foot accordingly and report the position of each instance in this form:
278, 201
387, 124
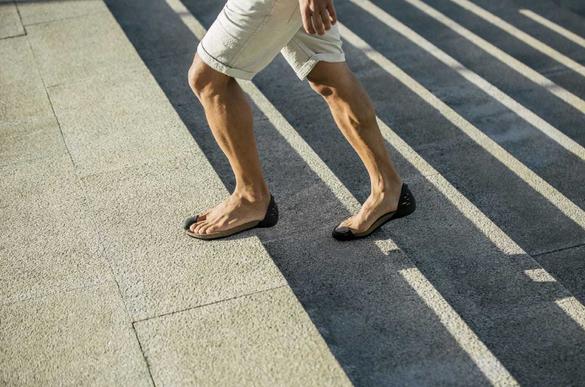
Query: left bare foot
377, 204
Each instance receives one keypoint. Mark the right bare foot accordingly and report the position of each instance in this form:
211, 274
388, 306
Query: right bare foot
237, 209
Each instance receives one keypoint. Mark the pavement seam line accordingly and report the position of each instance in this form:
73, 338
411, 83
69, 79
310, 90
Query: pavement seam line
486, 362
51, 104
167, 314
56, 292
143, 354
67, 18
17, 6
559, 249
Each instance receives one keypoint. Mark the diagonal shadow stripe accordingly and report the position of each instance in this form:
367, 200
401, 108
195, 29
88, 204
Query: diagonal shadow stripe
521, 35
562, 93
568, 34
533, 119
513, 83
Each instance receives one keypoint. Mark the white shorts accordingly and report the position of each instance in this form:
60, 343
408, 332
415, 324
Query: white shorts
247, 35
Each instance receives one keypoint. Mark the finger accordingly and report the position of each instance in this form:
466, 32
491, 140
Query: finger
318, 23
332, 13
307, 23
325, 19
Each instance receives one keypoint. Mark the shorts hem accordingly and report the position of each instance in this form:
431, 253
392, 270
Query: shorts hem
222, 68
307, 67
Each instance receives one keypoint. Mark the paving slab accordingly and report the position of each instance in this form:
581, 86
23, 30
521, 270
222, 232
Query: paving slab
35, 12
38, 140
113, 121
264, 339
78, 48
73, 338
17, 61
28, 127
47, 243
139, 213
22, 105
10, 24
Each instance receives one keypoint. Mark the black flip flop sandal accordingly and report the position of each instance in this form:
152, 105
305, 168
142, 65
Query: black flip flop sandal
406, 206
270, 219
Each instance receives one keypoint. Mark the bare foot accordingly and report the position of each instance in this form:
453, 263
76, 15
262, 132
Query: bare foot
375, 206
235, 210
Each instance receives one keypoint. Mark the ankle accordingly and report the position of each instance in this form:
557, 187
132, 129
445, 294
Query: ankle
386, 186
253, 194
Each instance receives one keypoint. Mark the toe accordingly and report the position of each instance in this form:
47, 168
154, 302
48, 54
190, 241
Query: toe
195, 228
190, 221
204, 229
211, 229
344, 225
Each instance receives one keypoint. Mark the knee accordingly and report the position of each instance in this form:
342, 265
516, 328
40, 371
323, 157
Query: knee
354, 105
322, 88
205, 81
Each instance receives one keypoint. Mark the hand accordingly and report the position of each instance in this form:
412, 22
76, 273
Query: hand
318, 15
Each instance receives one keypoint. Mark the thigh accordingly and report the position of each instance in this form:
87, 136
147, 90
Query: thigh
304, 50
247, 35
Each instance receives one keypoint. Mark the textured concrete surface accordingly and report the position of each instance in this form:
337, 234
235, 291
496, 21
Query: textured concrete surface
81, 47
260, 339
116, 120
139, 213
80, 337
36, 12
104, 151
47, 242
10, 23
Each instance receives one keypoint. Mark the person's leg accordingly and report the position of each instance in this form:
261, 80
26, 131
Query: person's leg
355, 116
230, 118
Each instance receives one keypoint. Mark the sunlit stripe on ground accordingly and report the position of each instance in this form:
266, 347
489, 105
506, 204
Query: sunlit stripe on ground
564, 204
490, 366
521, 35
465, 337
534, 120
502, 56
573, 37
574, 309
